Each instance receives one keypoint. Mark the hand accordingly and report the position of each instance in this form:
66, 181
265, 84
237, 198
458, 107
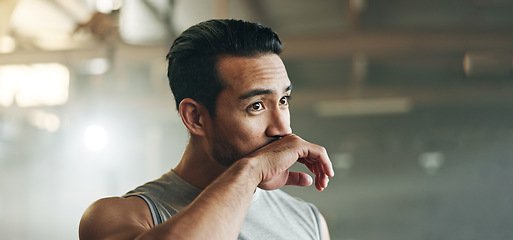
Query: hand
274, 160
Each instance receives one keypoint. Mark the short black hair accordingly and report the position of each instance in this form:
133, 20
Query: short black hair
193, 57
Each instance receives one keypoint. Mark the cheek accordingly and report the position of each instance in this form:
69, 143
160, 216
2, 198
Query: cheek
249, 133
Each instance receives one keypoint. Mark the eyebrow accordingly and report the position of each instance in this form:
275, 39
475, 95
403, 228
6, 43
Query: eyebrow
257, 92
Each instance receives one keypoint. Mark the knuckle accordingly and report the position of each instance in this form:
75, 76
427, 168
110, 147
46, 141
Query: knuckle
323, 150
296, 138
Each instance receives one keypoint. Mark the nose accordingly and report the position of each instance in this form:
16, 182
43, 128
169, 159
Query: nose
278, 123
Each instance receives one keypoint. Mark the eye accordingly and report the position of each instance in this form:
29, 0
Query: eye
258, 106
285, 100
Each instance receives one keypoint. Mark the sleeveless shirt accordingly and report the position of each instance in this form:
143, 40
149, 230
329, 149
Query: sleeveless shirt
272, 214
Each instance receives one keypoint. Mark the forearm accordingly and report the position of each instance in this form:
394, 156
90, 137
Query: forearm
218, 212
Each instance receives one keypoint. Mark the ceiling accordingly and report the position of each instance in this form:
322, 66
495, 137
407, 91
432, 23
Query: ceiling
366, 48
33, 24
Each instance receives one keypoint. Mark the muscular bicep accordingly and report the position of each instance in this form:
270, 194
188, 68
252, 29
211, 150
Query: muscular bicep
115, 218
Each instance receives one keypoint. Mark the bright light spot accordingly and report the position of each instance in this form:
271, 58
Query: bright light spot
34, 85
116, 4
95, 138
431, 161
106, 6
354, 107
44, 120
7, 44
96, 66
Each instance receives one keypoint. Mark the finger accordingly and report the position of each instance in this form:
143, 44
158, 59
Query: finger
327, 165
320, 155
319, 183
328, 169
324, 180
322, 177
307, 164
303, 161
299, 179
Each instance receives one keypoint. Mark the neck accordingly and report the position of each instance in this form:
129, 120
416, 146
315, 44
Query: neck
197, 166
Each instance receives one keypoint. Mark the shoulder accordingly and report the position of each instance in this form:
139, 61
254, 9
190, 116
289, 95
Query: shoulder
115, 217
325, 234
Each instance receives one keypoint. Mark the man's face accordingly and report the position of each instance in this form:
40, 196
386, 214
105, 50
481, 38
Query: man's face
253, 109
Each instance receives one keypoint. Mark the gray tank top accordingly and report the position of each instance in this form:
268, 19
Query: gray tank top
271, 215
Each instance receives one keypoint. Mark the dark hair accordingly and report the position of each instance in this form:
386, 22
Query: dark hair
193, 57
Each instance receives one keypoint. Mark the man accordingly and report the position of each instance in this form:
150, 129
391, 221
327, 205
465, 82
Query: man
232, 92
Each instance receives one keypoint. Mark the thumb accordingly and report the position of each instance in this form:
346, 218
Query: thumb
299, 179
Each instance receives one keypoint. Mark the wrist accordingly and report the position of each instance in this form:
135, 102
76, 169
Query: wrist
249, 167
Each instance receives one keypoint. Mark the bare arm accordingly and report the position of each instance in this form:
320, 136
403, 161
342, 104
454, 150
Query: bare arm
325, 234
219, 211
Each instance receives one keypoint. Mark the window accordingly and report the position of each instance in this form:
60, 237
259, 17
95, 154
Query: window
44, 84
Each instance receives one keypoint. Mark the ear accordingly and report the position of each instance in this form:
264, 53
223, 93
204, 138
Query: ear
193, 116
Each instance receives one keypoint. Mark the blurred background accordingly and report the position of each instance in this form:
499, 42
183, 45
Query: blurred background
412, 98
